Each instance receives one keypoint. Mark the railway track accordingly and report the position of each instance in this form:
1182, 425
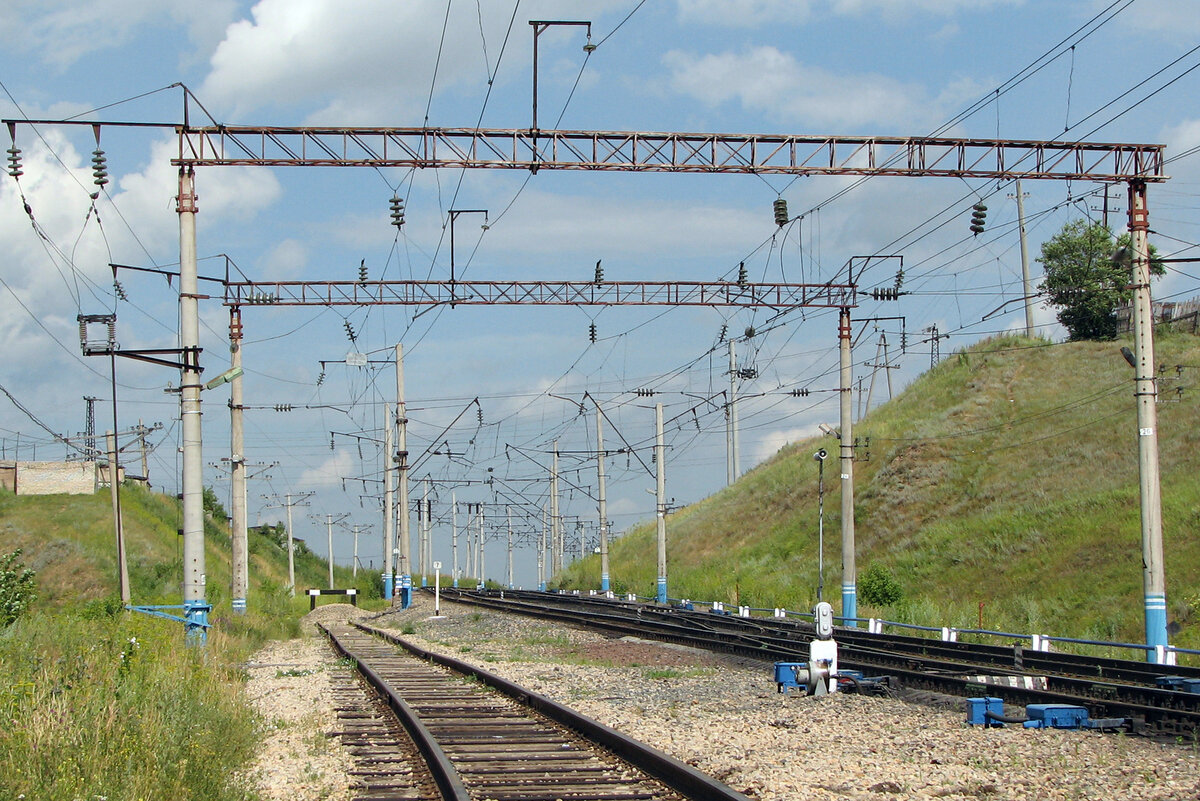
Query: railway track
460, 733
1109, 688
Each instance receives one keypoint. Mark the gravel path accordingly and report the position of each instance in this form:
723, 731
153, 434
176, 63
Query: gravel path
723, 715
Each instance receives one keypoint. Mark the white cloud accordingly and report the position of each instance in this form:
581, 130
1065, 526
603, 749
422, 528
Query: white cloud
328, 473
62, 32
753, 13
769, 444
286, 261
370, 61
772, 82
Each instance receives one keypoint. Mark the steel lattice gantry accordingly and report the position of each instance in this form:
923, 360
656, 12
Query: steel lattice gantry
635, 151
539, 293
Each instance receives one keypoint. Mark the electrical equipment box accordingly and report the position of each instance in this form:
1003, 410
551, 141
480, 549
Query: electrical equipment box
791, 676
1055, 716
1179, 684
979, 708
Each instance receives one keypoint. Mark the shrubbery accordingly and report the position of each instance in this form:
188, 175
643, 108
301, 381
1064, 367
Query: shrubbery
878, 587
16, 588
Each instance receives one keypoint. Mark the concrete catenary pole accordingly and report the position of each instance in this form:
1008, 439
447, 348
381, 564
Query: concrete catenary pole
405, 545
731, 421
454, 538
196, 607
479, 542
239, 545
1146, 392
556, 553
508, 513
291, 549
1026, 283
601, 503
389, 504
541, 554
329, 532
423, 525
846, 390
661, 502
114, 479
354, 564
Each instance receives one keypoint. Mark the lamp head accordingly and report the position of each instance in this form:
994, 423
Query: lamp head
820, 455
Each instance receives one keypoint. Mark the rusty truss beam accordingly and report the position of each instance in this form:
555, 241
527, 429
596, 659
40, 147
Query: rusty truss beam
538, 293
633, 151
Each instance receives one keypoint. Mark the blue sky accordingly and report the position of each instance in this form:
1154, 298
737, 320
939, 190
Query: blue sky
888, 67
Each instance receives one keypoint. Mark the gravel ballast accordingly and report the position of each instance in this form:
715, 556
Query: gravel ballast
723, 715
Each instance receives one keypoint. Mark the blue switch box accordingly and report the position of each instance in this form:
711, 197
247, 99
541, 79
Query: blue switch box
1055, 716
978, 709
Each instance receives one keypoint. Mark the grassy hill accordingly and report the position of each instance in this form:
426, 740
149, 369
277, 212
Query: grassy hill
1007, 476
68, 540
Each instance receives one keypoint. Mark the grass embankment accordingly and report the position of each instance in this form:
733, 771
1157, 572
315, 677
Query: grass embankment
1007, 476
96, 702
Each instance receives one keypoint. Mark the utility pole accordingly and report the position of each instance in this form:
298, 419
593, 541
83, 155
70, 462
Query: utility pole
89, 426
541, 554
389, 506
423, 533
454, 537
555, 519
731, 421
354, 564
479, 544
885, 365
1026, 283
142, 431
582, 540
405, 566
846, 388
602, 505
470, 540
196, 607
661, 502
239, 545
288, 503
1146, 393
114, 479
508, 512
329, 521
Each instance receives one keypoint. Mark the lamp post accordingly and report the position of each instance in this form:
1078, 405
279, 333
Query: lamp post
820, 457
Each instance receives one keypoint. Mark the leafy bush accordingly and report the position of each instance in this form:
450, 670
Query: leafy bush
16, 588
878, 587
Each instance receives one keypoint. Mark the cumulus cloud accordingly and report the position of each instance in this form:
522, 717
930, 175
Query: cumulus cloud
770, 443
753, 13
767, 80
328, 473
61, 32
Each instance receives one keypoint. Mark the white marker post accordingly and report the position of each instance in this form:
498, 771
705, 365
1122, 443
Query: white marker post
437, 589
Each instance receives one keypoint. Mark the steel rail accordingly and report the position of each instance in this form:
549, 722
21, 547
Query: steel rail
1166, 711
675, 774
449, 783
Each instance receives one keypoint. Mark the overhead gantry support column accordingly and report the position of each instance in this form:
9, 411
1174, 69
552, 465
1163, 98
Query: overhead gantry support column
661, 502
405, 545
389, 504
1146, 394
196, 607
602, 503
237, 467
846, 434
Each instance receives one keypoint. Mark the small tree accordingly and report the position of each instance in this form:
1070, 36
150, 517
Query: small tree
879, 587
1086, 279
16, 588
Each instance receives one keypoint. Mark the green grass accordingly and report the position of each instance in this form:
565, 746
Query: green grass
1007, 475
117, 708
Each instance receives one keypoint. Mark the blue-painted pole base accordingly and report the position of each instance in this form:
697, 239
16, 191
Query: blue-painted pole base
849, 604
239, 606
604, 583
541, 586
1156, 625
424, 581
388, 587
661, 597
456, 583
196, 627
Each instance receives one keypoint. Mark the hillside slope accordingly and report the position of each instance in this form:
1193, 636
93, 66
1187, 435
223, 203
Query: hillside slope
68, 540
1005, 477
